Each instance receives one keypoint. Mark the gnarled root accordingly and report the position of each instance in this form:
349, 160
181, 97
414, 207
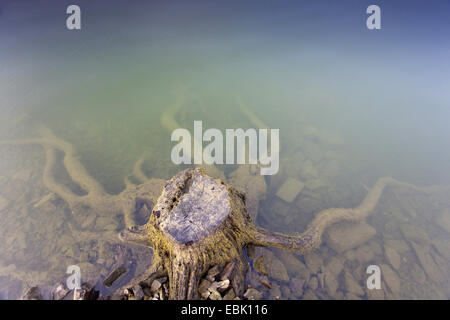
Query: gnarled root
311, 238
96, 197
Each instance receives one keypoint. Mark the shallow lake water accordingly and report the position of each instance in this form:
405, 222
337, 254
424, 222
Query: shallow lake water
351, 107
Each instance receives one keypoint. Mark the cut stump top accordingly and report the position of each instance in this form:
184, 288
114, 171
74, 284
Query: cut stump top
192, 206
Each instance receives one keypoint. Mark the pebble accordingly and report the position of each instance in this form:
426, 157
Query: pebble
203, 288
215, 295
252, 294
212, 273
313, 283
265, 282
155, 286
60, 292
138, 292
230, 295
33, 294
275, 292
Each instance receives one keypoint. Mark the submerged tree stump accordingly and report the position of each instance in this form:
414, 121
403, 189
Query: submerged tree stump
198, 222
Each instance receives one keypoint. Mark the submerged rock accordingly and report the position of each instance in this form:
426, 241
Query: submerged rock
390, 278
364, 254
313, 261
331, 284
276, 269
296, 286
252, 294
345, 236
352, 285
392, 257
313, 283
375, 294
33, 293
427, 263
293, 265
417, 274
290, 189
335, 266
60, 292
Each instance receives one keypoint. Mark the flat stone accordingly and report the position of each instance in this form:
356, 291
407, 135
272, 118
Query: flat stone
212, 273
335, 266
293, 265
313, 262
390, 278
442, 245
309, 295
252, 294
138, 292
277, 270
417, 274
275, 292
60, 292
296, 286
215, 295
427, 262
290, 189
331, 283
375, 294
411, 233
345, 236
364, 254
398, 245
230, 295
155, 286
203, 288
392, 257
313, 283
352, 285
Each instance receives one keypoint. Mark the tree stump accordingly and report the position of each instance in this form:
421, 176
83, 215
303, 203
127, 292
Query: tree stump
198, 222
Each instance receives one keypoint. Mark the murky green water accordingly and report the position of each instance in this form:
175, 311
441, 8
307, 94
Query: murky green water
349, 110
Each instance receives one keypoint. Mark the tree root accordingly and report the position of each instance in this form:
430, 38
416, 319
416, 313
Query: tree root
97, 198
311, 238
